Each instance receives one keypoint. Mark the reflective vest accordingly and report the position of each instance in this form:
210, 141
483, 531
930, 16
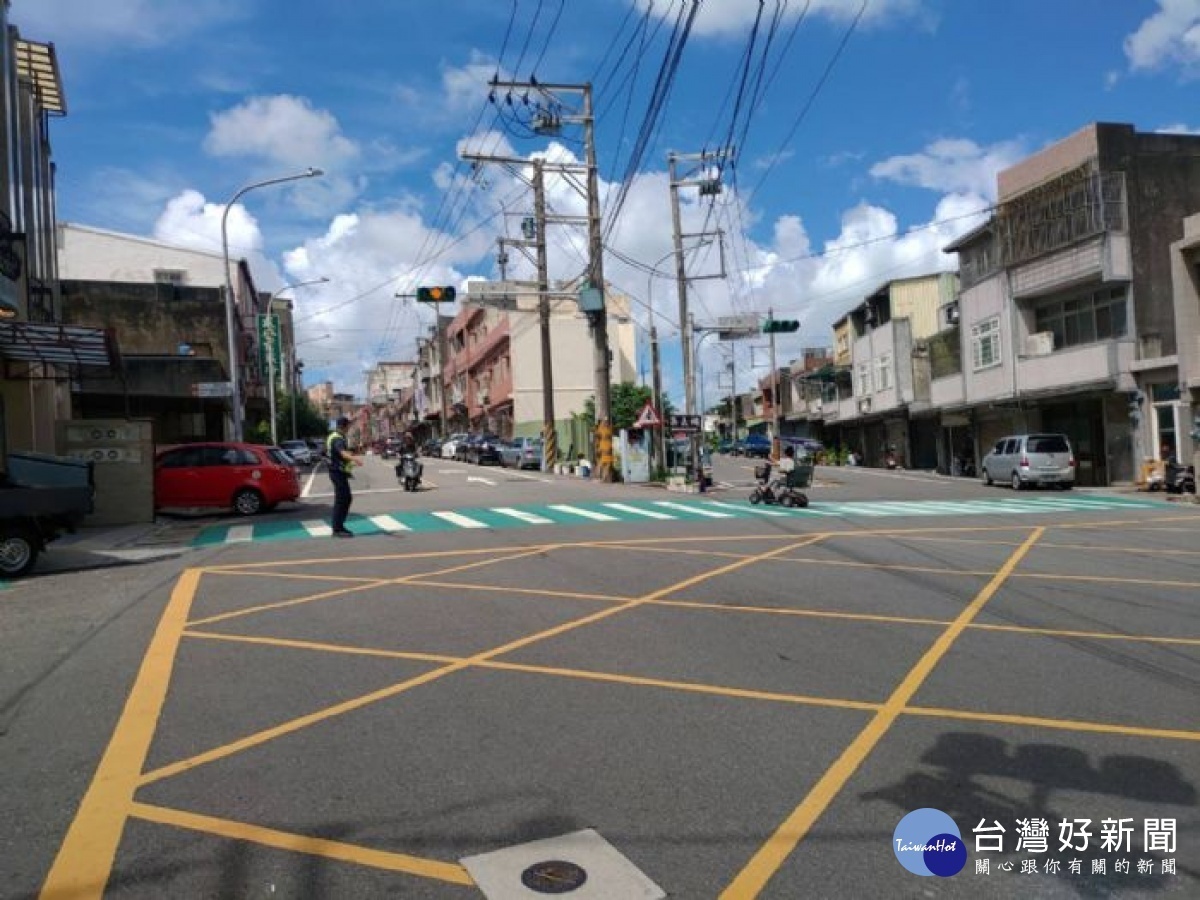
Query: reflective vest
347, 466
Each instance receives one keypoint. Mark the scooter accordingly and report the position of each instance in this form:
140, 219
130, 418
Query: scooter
783, 495
409, 471
1180, 479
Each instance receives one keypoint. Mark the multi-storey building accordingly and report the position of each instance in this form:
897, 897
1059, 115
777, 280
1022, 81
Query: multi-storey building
882, 344
40, 354
1067, 318
166, 303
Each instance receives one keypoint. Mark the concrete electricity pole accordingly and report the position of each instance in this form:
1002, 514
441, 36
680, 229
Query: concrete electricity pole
548, 120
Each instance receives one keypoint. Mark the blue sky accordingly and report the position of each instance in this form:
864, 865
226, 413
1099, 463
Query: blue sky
868, 136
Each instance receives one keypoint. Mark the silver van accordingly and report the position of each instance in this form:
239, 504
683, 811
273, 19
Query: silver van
1029, 460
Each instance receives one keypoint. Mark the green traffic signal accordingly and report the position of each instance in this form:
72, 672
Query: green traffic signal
780, 326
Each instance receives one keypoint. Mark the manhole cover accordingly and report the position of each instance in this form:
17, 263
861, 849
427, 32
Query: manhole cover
554, 876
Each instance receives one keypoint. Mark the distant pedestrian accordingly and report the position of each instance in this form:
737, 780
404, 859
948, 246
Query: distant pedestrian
341, 470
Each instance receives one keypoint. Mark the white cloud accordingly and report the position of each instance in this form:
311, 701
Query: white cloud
120, 22
280, 129
952, 165
1178, 128
1169, 37
189, 220
733, 17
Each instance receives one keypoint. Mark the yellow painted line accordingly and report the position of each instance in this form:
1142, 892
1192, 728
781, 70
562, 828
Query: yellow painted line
553, 671
284, 728
751, 880
294, 576
86, 856
320, 646
386, 582
803, 613
1058, 724
302, 843
283, 604
536, 592
743, 693
251, 567
1108, 579
693, 687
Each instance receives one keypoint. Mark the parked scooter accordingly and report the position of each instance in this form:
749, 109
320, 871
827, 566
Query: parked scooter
784, 493
409, 471
1179, 479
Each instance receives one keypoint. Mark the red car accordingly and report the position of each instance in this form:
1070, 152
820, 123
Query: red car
247, 477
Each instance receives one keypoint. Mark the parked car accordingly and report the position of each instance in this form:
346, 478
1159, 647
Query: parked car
450, 445
522, 453
248, 478
1031, 459
484, 450
300, 452
432, 447
805, 445
756, 445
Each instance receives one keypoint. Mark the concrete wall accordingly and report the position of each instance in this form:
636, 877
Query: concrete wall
151, 318
979, 303
92, 254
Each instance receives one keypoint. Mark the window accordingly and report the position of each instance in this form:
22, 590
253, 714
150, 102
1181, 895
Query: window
864, 379
884, 379
985, 344
1095, 316
170, 276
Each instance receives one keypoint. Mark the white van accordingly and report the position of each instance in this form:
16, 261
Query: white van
1029, 460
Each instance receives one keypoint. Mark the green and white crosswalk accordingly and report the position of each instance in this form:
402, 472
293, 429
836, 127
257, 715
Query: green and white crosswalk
689, 510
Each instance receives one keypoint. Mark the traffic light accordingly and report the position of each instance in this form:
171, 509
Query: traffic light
780, 326
435, 294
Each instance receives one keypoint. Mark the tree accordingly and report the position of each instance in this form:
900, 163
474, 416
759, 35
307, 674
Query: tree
627, 401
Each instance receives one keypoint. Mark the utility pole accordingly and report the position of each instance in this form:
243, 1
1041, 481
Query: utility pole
708, 186
661, 431
774, 388
536, 237
548, 120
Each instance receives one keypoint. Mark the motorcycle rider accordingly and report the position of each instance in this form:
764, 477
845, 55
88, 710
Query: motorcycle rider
408, 447
784, 465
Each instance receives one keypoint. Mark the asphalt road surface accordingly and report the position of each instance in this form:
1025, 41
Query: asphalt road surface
690, 699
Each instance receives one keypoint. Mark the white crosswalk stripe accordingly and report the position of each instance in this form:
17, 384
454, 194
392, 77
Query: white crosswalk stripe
750, 509
240, 534
459, 519
638, 511
388, 524
693, 508
585, 513
317, 529
522, 515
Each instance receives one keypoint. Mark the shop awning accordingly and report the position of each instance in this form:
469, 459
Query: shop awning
59, 345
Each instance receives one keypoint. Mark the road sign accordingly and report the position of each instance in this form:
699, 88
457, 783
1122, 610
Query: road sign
270, 344
647, 418
686, 423
732, 328
212, 389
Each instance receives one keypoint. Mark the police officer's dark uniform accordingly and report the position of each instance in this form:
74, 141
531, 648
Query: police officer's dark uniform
341, 465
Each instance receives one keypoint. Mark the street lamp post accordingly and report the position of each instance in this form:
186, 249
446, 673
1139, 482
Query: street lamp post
235, 393
295, 372
269, 337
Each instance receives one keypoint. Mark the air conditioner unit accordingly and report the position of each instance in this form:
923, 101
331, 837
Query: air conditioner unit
952, 314
1039, 344
864, 405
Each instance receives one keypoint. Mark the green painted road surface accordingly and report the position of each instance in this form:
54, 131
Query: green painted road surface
684, 510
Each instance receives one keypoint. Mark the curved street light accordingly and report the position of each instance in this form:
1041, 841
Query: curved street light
269, 334
235, 383
296, 375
